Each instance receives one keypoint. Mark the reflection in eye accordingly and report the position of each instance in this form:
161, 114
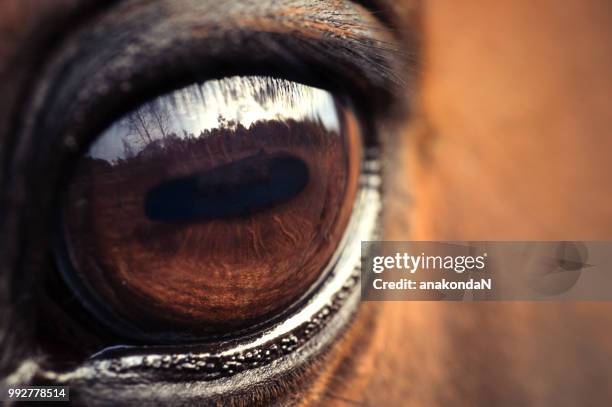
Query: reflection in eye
212, 207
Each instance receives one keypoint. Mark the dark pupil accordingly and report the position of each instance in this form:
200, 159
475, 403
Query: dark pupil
240, 188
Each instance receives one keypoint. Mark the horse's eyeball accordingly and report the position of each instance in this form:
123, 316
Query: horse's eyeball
213, 207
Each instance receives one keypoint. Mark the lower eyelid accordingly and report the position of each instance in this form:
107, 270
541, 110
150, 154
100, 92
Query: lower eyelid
312, 325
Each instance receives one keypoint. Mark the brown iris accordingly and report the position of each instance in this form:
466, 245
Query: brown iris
215, 206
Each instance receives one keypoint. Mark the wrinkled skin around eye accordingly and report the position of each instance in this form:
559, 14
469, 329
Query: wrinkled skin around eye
205, 232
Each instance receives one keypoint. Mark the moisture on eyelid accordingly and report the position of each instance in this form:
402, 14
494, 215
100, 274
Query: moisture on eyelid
215, 104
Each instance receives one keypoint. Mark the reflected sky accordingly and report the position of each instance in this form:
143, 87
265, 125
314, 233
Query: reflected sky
215, 104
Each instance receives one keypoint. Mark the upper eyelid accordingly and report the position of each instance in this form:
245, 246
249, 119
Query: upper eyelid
128, 54
352, 26
358, 29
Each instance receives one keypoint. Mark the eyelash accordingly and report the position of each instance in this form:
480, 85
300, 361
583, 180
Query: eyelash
77, 128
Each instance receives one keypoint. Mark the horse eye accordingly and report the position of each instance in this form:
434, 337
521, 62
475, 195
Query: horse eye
211, 208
